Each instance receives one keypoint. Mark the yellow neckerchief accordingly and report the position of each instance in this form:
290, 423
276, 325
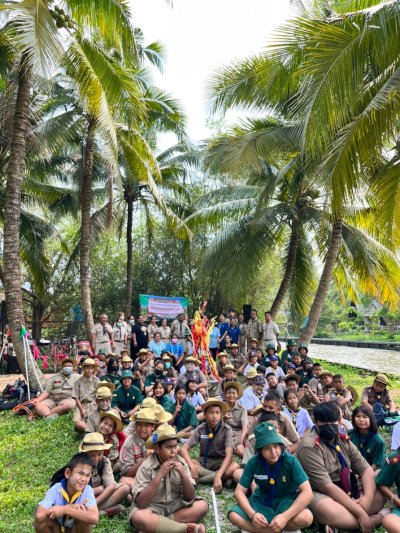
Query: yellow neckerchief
66, 497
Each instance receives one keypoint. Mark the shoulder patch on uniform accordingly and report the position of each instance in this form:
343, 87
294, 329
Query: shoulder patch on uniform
393, 460
343, 436
317, 441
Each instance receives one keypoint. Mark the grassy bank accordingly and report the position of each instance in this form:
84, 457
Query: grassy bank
32, 452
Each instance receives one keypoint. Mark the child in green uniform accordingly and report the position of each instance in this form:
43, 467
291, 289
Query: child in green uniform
160, 393
283, 490
389, 475
366, 437
127, 396
184, 414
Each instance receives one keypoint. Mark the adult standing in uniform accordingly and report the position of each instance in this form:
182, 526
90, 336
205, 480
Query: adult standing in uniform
120, 333
179, 327
138, 337
243, 334
270, 331
102, 335
254, 327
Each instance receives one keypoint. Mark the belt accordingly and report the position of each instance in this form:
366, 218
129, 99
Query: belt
102, 342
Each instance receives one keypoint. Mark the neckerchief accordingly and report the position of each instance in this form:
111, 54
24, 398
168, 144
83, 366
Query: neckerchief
68, 500
364, 442
273, 473
211, 435
294, 415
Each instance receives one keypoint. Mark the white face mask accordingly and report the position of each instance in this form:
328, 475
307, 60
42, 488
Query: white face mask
67, 370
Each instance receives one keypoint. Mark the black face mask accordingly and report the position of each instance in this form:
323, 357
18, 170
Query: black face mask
328, 432
115, 367
158, 372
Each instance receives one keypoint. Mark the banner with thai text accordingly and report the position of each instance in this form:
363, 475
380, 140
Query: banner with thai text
162, 306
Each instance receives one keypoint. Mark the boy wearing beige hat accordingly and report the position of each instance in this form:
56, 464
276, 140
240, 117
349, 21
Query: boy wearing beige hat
108, 493
103, 403
164, 488
83, 393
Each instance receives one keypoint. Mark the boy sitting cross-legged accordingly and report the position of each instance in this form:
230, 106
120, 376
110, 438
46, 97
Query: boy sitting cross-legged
216, 447
108, 493
69, 505
164, 488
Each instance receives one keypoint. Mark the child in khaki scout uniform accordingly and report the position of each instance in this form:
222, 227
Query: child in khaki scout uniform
331, 460
283, 491
229, 375
57, 398
216, 447
389, 475
108, 493
339, 393
163, 493
103, 403
83, 393
69, 505
236, 417
111, 424
133, 451
272, 403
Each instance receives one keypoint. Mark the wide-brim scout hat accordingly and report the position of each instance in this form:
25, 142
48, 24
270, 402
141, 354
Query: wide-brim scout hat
252, 373
114, 415
108, 385
148, 403
354, 394
93, 442
291, 342
234, 345
228, 367
291, 377
88, 362
271, 347
146, 415
126, 359
255, 340
126, 374
381, 378
266, 435
326, 373
191, 359
163, 433
102, 393
142, 351
69, 360
303, 345
222, 354
234, 385
162, 415
215, 402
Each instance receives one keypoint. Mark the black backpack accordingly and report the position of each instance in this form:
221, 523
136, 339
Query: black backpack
58, 476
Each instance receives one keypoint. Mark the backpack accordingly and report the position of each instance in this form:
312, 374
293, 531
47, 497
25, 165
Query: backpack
58, 476
379, 413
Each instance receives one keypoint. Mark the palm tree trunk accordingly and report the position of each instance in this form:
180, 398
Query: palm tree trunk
129, 264
289, 270
86, 228
12, 205
324, 282
37, 318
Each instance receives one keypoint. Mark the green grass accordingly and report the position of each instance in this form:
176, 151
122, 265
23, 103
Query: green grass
32, 451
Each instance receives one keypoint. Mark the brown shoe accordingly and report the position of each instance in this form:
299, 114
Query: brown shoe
113, 511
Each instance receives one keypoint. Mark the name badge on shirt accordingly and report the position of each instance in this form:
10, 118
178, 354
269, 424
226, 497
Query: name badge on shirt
204, 437
261, 476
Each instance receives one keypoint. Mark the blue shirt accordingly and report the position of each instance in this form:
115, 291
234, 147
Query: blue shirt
214, 338
156, 347
54, 497
234, 334
175, 349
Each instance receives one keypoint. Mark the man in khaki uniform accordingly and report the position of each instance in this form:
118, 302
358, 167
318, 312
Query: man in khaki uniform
180, 328
84, 394
270, 331
254, 327
163, 493
322, 453
237, 359
57, 398
102, 336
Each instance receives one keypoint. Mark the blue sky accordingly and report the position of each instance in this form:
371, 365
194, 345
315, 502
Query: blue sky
200, 36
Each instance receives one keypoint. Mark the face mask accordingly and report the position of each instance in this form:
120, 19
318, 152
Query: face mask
119, 324
328, 432
158, 372
115, 367
174, 341
167, 365
131, 322
67, 370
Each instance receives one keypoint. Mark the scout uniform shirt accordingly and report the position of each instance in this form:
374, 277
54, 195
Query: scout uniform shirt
322, 463
93, 422
179, 329
126, 399
372, 396
269, 332
169, 495
237, 360
102, 337
390, 474
196, 375
237, 421
132, 451
151, 331
286, 427
371, 446
277, 485
85, 388
61, 387
103, 474
345, 393
300, 419
216, 446
254, 329
166, 402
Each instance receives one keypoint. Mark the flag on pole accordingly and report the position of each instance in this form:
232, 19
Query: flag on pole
23, 333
